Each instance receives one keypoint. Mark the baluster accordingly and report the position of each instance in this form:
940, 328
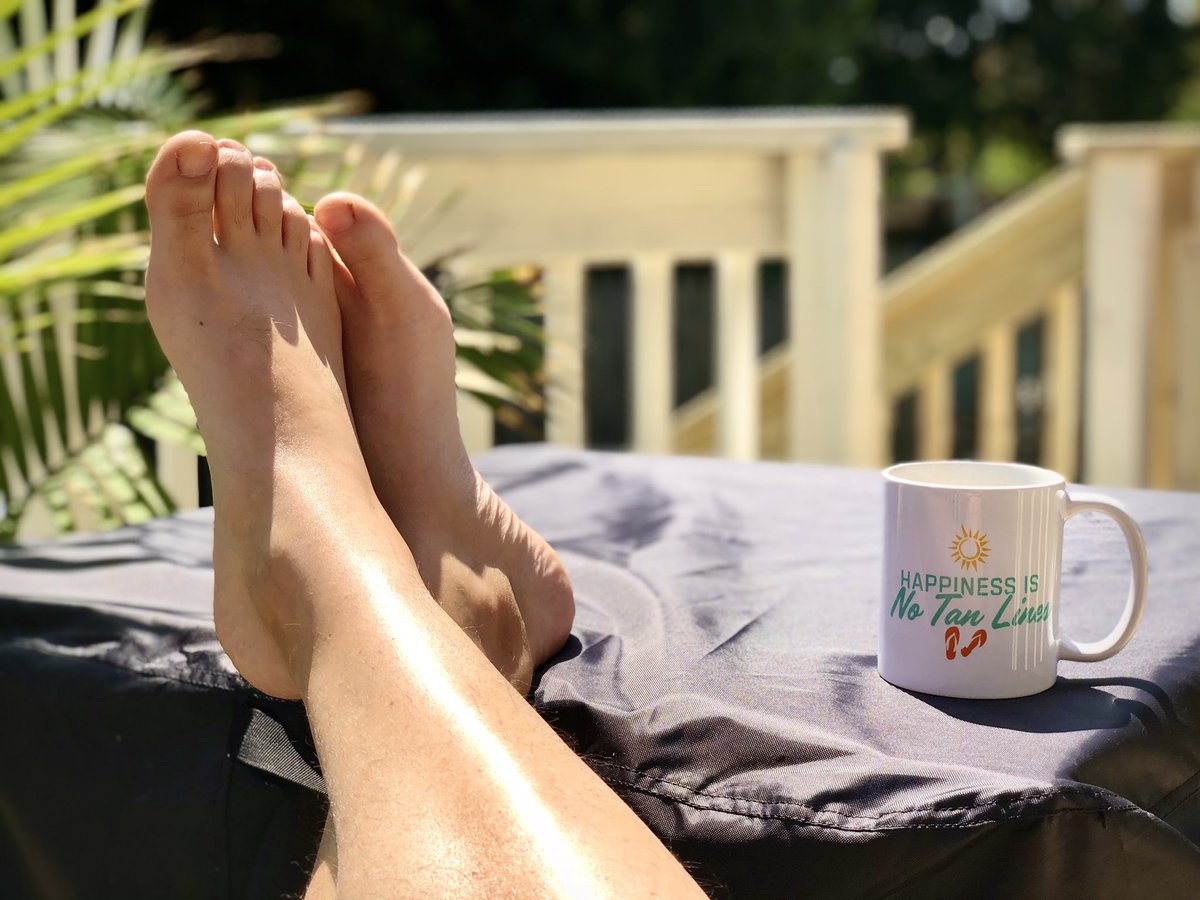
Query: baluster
1061, 380
653, 345
738, 405
1187, 335
935, 411
998, 440
563, 287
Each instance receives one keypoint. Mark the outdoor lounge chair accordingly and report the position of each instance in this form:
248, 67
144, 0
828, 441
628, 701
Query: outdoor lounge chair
720, 676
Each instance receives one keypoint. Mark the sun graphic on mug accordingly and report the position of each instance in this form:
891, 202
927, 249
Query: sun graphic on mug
970, 548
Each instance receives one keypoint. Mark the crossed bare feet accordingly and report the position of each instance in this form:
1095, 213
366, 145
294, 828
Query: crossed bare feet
324, 388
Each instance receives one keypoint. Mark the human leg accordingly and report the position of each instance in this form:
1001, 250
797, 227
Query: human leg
474, 554
443, 780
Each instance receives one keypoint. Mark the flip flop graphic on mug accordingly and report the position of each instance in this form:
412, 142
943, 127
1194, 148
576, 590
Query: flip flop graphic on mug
978, 639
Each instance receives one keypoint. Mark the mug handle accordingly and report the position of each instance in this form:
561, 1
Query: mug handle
1093, 651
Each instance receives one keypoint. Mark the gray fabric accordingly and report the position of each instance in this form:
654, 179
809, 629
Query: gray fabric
724, 681
721, 677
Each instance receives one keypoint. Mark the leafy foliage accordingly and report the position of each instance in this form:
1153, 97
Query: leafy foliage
973, 72
84, 387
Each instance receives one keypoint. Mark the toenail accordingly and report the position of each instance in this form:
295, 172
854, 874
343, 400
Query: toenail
336, 217
265, 164
196, 159
231, 144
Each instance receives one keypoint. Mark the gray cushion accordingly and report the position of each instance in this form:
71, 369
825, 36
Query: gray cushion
720, 676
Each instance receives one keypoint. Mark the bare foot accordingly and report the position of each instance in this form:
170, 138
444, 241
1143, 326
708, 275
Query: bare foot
240, 294
493, 574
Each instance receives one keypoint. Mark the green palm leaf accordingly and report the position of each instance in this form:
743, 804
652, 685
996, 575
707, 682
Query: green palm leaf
84, 387
73, 31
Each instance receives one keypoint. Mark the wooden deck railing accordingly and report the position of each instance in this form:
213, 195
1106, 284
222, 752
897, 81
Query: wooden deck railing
1104, 256
650, 192
970, 296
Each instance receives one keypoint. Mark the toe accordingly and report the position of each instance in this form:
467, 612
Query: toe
296, 227
268, 200
179, 190
234, 207
320, 262
366, 243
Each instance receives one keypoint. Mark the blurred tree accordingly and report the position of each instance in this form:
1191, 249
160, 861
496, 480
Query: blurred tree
987, 81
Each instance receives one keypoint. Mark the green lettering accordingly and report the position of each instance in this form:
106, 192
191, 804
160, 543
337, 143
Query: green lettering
964, 617
998, 618
945, 598
904, 607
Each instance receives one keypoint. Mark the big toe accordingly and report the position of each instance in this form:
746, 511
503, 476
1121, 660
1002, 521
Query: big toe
180, 189
366, 243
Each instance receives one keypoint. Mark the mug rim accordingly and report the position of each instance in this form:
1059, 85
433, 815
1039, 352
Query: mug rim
1039, 477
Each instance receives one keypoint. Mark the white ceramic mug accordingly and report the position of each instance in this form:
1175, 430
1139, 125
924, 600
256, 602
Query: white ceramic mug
971, 565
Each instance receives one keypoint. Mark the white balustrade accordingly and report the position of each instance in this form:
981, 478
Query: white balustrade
563, 297
997, 408
1187, 337
1061, 381
738, 408
832, 238
801, 185
935, 411
1124, 210
653, 350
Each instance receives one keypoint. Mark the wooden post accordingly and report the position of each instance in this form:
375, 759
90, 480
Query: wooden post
998, 440
563, 287
1187, 335
856, 260
653, 345
1122, 254
833, 248
935, 411
810, 422
1061, 380
738, 405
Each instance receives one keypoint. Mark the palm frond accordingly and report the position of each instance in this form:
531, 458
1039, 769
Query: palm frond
84, 387
66, 34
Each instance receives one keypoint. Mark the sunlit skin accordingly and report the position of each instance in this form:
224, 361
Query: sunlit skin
494, 575
443, 781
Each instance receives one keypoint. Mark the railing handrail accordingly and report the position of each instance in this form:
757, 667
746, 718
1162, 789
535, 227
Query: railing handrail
777, 129
991, 239
998, 272
967, 294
